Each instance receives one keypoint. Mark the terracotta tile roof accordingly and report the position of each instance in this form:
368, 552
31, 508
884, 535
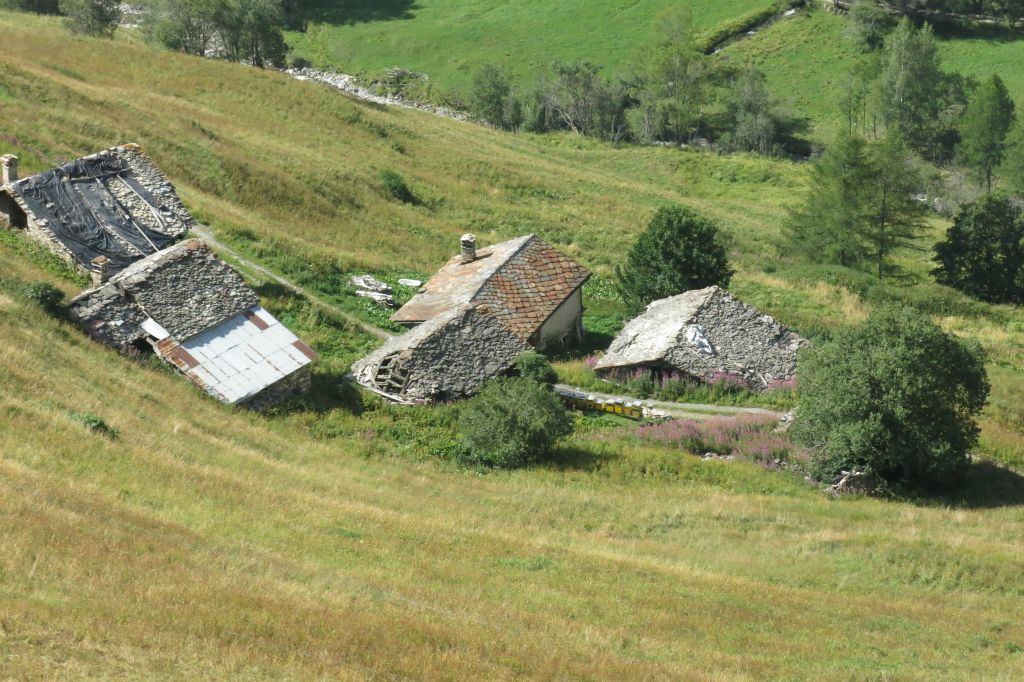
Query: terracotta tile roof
529, 288
522, 281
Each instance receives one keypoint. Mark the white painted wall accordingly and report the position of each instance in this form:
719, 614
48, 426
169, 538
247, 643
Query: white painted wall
565, 326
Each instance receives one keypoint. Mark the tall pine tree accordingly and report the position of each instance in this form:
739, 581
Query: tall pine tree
983, 130
827, 227
894, 218
1013, 161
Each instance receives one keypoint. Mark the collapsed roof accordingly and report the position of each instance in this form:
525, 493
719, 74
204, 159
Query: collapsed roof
706, 334
197, 313
447, 357
115, 204
522, 281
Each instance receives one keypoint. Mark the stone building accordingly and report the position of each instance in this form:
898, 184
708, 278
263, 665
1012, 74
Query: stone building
115, 206
197, 313
447, 357
475, 317
706, 334
532, 288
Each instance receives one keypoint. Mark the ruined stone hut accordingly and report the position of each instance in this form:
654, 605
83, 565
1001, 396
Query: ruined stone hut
197, 313
103, 211
473, 319
447, 357
706, 334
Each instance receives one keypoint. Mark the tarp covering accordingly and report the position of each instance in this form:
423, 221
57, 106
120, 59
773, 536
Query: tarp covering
86, 217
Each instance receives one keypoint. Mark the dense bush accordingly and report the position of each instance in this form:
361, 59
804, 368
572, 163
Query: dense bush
896, 396
46, 297
512, 423
92, 17
680, 250
870, 22
493, 100
533, 365
983, 252
395, 187
37, 6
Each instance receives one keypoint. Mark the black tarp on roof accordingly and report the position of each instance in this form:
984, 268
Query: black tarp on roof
86, 217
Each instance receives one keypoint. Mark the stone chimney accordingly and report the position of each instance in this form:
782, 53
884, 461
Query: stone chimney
10, 162
100, 264
468, 243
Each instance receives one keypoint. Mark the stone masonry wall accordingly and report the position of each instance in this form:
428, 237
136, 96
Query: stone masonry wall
743, 341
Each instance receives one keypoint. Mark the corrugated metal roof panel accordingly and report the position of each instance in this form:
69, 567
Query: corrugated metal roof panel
237, 359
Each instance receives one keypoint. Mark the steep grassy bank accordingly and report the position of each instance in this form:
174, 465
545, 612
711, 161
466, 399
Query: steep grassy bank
190, 540
290, 172
205, 542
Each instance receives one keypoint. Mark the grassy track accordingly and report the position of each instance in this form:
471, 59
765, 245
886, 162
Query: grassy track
450, 39
209, 543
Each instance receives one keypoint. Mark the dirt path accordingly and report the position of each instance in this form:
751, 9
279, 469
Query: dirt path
677, 410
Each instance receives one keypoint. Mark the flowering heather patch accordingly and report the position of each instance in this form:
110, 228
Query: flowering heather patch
782, 384
727, 379
747, 437
591, 361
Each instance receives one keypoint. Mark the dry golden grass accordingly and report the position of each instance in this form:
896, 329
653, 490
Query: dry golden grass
210, 543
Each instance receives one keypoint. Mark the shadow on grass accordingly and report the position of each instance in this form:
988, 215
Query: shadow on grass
989, 485
328, 391
593, 341
357, 11
575, 458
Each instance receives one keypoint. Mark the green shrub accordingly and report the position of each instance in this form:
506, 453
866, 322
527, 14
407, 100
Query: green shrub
395, 187
680, 250
533, 365
512, 423
895, 396
983, 252
46, 297
96, 424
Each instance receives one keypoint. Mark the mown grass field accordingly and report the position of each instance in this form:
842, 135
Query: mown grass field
327, 540
450, 39
807, 59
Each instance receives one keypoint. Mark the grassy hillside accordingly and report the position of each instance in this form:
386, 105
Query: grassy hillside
807, 59
205, 542
451, 39
191, 540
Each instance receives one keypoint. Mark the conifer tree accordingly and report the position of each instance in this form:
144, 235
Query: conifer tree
826, 227
894, 218
911, 83
983, 130
1013, 160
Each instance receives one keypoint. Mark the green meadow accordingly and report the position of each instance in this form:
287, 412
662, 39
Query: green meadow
332, 538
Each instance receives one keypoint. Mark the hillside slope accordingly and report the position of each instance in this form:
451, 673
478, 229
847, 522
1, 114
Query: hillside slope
200, 541
450, 39
191, 540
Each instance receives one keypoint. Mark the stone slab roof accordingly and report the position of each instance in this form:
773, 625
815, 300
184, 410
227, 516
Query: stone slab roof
522, 281
445, 358
704, 334
186, 289
115, 203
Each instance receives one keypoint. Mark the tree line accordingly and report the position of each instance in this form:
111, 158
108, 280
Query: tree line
672, 92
